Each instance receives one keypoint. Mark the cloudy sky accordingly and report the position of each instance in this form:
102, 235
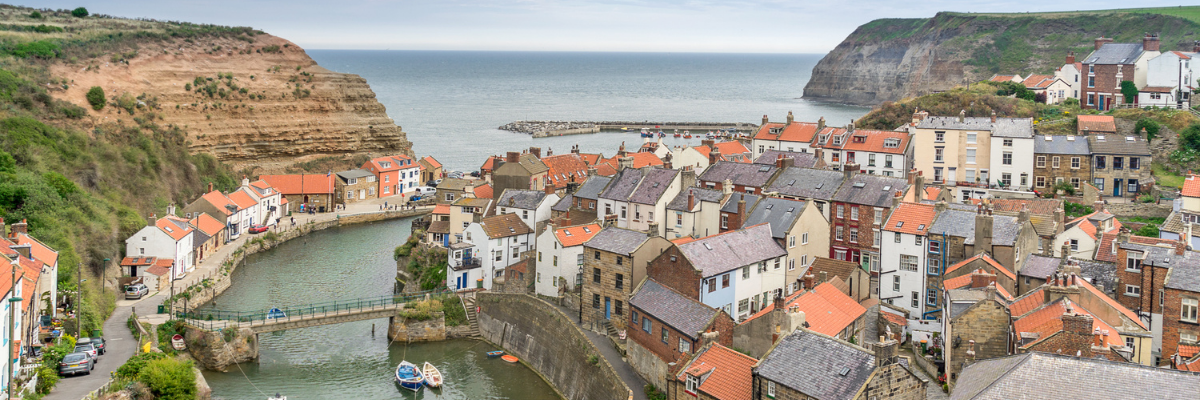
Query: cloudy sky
743, 26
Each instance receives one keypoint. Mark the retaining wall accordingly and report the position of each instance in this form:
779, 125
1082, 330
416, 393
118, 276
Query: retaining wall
1150, 210
546, 340
401, 329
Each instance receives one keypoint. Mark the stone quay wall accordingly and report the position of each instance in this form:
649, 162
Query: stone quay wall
546, 340
402, 329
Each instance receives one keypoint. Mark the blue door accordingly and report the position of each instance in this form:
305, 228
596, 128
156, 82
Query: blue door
1100, 105
1116, 187
607, 308
462, 281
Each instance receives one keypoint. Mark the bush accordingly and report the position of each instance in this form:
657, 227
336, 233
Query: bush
169, 379
1075, 210
47, 378
1129, 91
1147, 231
35, 15
228, 333
133, 367
653, 393
1190, 137
79, 12
95, 97
1065, 187
1151, 127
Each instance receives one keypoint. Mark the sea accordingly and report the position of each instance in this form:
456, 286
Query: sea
450, 103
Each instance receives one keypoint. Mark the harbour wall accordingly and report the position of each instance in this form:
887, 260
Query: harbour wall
564, 128
545, 339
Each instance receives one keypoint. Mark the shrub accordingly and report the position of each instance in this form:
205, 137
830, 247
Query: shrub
1072, 102
39, 49
133, 367
35, 15
653, 393
1190, 137
1065, 187
47, 378
169, 379
1151, 127
95, 97
1129, 90
127, 102
594, 359
79, 12
1074, 210
1147, 230
228, 333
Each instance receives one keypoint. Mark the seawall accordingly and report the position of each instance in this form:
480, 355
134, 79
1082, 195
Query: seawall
546, 340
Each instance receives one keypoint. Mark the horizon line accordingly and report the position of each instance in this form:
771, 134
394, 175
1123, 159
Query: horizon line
565, 51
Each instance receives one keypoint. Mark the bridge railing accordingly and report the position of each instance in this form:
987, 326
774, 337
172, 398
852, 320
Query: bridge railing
217, 319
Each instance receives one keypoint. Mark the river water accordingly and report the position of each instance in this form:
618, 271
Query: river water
345, 361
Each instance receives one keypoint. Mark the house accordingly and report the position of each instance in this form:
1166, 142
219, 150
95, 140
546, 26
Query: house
1181, 297
1086, 125
716, 372
904, 261
1060, 159
657, 148
272, 206
961, 232
694, 212
305, 190
1170, 78
816, 185
168, 237
1147, 262
1011, 158
1081, 235
354, 186
219, 206
791, 136
1183, 220
464, 212
249, 210
587, 198
212, 231
710, 152
40, 257
1006, 78
886, 153
734, 211
451, 189
1111, 63
438, 232
489, 167
1046, 215
560, 258
857, 280
667, 328
799, 228
613, 260
565, 170
155, 272
859, 207
745, 178
1069, 72
637, 197
1053, 88
848, 371
737, 271
486, 249
21, 319
520, 171
1161, 96
958, 152
1016, 376
800, 160
483, 191
431, 170
1120, 165
533, 206
395, 175
825, 309
977, 326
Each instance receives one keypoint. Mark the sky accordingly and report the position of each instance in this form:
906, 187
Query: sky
721, 26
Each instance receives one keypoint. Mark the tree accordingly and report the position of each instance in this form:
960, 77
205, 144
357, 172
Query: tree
169, 379
95, 97
1040, 98
1129, 91
35, 15
1190, 137
1151, 127
79, 12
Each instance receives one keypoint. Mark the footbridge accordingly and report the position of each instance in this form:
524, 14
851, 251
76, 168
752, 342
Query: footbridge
307, 315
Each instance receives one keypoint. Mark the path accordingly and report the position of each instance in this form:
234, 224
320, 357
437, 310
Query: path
606, 349
933, 391
119, 344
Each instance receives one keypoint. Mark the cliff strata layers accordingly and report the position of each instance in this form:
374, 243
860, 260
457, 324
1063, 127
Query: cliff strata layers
892, 59
251, 102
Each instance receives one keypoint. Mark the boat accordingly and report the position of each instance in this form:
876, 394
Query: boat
677, 133
177, 342
687, 134
661, 134
494, 354
646, 132
509, 359
433, 377
408, 376
276, 313
277, 396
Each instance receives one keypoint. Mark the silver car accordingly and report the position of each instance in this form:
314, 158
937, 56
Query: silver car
76, 363
136, 291
87, 348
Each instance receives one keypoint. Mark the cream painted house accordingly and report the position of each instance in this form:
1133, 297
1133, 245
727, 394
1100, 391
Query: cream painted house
957, 151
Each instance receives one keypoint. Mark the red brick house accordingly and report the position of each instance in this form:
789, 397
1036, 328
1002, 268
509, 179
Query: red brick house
1180, 326
1143, 265
667, 327
858, 208
1110, 64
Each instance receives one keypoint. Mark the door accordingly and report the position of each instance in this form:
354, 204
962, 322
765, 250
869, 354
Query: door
1116, 187
1100, 105
462, 282
607, 308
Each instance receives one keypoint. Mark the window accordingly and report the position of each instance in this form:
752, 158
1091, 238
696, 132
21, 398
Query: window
971, 137
633, 314
854, 213
841, 211
791, 241
839, 255
746, 272
1008, 142
876, 238
878, 216
597, 255
724, 221
916, 300
595, 275
1075, 183
1135, 163
1054, 162
1024, 179
684, 346
620, 260
908, 263
778, 260
679, 218
1091, 99
1133, 264
646, 324
970, 175
939, 137
935, 246
970, 156
1074, 162
664, 334
1133, 291
1187, 336
1039, 181
937, 174
838, 233
1041, 161
896, 237
1187, 311
1099, 183
771, 389
853, 235
725, 281
1100, 162
871, 160
743, 306
931, 297
595, 301
617, 307
620, 281
791, 264
887, 161
939, 154
934, 266
692, 383
1006, 158
918, 240
1074, 244
895, 283
1091, 84
1118, 162
1006, 179
804, 238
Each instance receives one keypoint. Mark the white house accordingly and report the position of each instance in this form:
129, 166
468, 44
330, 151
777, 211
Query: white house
1081, 236
790, 136
638, 197
169, 237
533, 206
487, 248
884, 153
1170, 78
694, 212
903, 261
1012, 158
1069, 73
700, 157
1055, 89
560, 257
269, 200
247, 213
750, 258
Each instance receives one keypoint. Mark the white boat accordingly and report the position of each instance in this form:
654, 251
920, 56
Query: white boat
408, 376
277, 396
433, 377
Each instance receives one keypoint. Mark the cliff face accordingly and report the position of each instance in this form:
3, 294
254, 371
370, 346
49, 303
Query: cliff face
253, 102
892, 59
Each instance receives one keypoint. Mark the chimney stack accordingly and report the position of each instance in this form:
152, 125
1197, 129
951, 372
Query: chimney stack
849, 169
764, 119
687, 177
885, 351
536, 151
940, 206
790, 118
1100, 41
983, 230
1066, 251
824, 277
625, 161
512, 156
809, 281
652, 229
210, 186
850, 127
691, 200
1196, 46
993, 116
821, 122
741, 210
708, 142
621, 151
1070, 57
714, 155
19, 228
920, 183
784, 162
727, 186
1150, 42
981, 279
153, 217
1098, 206
962, 115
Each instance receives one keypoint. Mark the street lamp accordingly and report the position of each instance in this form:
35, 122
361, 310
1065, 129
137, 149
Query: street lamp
579, 283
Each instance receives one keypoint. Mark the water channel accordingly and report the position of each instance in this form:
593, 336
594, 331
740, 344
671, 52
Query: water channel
346, 361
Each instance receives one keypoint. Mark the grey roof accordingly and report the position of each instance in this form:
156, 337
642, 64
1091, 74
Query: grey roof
870, 190
962, 299
617, 240
592, 187
802, 160
454, 184
679, 203
751, 175
1039, 267
563, 204
653, 186
1119, 144
807, 183
1185, 272
1058, 144
1176, 222
623, 184
962, 224
1158, 256
1003, 127
812, 364
1065, 377
721, 253
687, 316
731, 204
1115, 53
353, 174
526, 199
1102, 275
780, 213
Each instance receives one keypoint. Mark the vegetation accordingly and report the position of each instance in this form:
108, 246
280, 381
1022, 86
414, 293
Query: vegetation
95, 97
1129, 91
51, 356
79, 12
1147, 231
1149, 125
978, 100
1190, 138
166, 331
1075, 210
133, 367
653, 393
169, 379
421, 310
1163, 177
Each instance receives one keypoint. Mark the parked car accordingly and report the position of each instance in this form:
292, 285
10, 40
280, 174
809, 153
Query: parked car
435, 183
85, 346
425, 190
256, 228
136, 291
455, 175
99, 343
75, 363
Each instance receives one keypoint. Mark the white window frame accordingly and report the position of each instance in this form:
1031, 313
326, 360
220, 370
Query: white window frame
1187, 309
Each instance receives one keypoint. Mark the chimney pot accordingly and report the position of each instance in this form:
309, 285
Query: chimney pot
691, 200
790, 118
764, 119
1070, 57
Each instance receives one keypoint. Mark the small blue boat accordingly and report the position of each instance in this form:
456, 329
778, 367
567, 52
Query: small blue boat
494, 354
276, 313
409, 376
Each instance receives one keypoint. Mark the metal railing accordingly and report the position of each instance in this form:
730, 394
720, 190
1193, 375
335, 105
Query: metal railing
220, 318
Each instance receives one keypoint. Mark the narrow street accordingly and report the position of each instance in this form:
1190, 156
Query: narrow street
614, 358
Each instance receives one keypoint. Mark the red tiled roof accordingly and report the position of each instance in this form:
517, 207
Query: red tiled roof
639, 160
1039, 81
1002, 78
261, 184
894, 318
1191, 186
1091, 229
441, 209
172, 230
965, 282
590, 158
1157, 89
605, 169
1027, 302
826, 309
218, 200
684, 240
1048, 321
576, 235
32, 272
38, 249
159, 270
731, 373
564, 167
300, 183
207, 224
727, 150
483, 191
432, 162
916, 218
1188, 350
489, 164
871, 141
242, 199
931, 193
1182, 55
987, 259
1096, 123
137, 261
764, 131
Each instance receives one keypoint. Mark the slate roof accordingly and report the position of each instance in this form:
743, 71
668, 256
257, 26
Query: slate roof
679, 203
1185, 272
454, 184
731, 204
1065, 377
1115, 53
961, 223
563, 204
617, 240
1106, 252
807, 183
726, 251
812, 364
353, 174
1161, 256
623, 185
439, 227
1175, 223
802, 160
687, 316
750, 175
472, 202
731, 377
1003, 127
1041, 212
591, 189
1102, 275
780, 213
526, 199
1039, 267
870, 190
504, 225
1120, 145
1053, 144
653, 186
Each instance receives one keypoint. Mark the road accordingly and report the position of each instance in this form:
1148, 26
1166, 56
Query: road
605, 346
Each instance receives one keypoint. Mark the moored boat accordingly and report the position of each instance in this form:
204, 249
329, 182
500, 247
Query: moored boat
509, 358
433, 377
408, 376
494, 354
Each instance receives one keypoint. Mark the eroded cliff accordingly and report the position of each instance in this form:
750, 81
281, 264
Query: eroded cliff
892, 59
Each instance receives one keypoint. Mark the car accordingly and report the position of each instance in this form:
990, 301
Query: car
256, 228
435, 183
425, 190
414, 198
99, 343
455, 175
86, 348
136, 291
75, 363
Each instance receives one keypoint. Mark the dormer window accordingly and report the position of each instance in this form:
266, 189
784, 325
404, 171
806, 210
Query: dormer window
837, 140
775, 131
891, 143
860, 139
692, 383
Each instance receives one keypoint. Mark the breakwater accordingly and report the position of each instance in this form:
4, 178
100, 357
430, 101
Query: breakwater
564, 128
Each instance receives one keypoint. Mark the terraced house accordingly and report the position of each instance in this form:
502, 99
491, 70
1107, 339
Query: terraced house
1111, 63
486, 249
961, 152
1120, 165
790, 136
886, 153
637, 197
860, 207
666, 328
395, 175
614, 261
904, 260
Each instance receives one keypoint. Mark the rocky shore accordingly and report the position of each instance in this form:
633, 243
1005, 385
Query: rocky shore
543, 127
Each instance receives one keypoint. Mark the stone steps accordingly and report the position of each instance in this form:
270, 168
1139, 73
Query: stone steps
469, 304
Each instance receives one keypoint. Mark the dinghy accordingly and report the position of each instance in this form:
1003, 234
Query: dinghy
433, 377
494, 354
509, 359
408, 376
